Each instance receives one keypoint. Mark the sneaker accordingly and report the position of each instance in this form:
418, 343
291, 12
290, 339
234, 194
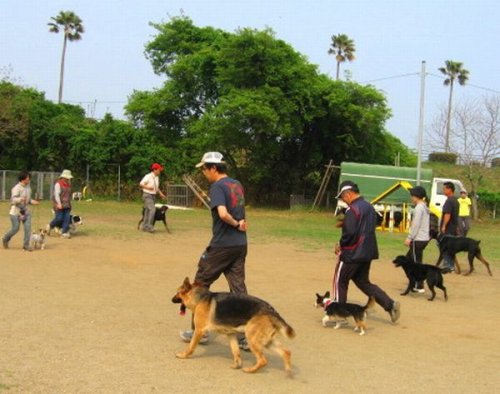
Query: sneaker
48, 229
66, 235
186, 336
395, 312
447, 270
243, 344
27, 249
5, 244
417, 290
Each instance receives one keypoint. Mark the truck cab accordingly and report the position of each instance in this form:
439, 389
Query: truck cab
437, 197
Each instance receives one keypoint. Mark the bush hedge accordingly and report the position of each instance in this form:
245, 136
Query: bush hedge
443, 157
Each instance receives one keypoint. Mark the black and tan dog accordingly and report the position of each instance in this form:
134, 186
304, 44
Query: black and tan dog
160, 216
230, 314
420, 272
451, 245
335, 310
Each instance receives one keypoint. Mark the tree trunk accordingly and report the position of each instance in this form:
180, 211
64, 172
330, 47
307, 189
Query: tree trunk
338, 70
448, 122
61, 75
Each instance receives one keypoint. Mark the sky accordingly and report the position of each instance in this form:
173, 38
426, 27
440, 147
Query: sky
392, 38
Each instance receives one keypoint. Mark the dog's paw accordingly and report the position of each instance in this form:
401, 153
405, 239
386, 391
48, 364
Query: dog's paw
182, 355
403, 294
362, 332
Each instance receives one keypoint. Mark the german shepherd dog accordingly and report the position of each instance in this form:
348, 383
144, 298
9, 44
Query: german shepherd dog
335, 310
451, 245
230, 314
420, 272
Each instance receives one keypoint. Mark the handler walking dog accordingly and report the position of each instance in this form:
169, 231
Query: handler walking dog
357, 248
228, 247
150, 186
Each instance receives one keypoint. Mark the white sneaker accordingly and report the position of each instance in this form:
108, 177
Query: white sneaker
66, 235
186, 336
421, 291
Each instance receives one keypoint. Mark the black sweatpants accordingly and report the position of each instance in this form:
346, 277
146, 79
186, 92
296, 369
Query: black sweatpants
359, 274
416, 254
229, 261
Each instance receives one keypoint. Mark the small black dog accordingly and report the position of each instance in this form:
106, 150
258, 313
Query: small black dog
343, 310
451, 245
160, 215
420, 272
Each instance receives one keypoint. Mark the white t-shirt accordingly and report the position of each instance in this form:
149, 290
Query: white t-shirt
151, 180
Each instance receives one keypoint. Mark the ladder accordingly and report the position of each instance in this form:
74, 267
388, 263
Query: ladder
197, 190
324, 184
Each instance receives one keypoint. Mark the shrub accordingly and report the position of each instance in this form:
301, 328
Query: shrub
495, 162
443, 157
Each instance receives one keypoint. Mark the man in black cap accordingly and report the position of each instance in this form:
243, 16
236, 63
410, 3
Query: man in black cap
357, 248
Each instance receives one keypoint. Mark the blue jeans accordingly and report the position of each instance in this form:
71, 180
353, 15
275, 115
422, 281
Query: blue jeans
61, 220
16, 223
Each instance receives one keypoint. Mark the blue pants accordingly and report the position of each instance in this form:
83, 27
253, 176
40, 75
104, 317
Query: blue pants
61, 220
16, 222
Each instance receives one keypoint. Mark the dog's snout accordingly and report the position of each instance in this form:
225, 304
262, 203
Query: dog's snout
176, 299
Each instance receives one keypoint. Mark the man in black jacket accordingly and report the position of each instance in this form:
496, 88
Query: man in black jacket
357, 249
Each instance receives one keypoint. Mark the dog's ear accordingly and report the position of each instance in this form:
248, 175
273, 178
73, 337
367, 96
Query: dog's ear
186, 285
318, 296
327, 294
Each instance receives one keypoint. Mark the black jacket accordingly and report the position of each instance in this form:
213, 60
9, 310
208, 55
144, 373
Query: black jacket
358, 243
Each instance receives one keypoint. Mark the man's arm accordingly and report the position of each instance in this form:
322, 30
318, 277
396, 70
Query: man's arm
349, 229
226, 217
57, 195
444, 222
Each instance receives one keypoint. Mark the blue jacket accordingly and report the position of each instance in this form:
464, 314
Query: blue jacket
358, 243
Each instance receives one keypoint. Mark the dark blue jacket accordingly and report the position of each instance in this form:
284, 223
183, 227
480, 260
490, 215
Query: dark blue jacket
358, 243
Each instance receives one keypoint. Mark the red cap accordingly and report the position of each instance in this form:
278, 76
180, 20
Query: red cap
156, 166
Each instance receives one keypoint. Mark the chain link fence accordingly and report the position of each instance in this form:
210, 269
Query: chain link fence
41, 183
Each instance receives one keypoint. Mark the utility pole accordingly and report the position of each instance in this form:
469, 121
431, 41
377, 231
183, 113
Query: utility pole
421, 123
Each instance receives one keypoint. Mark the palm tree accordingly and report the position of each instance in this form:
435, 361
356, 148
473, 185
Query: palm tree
452, 70
343, 48
71, 25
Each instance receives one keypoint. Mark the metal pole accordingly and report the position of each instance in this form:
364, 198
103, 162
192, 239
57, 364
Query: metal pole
421, 124
119, 181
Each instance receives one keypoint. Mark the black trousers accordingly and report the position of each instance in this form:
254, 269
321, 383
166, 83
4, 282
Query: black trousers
229, 261
359, 274
416, 253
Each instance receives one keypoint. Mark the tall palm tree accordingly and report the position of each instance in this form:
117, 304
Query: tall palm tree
72, 27
453, 71
343, 48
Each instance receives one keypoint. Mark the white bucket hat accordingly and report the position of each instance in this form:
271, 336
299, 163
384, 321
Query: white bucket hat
211, 157
66, 174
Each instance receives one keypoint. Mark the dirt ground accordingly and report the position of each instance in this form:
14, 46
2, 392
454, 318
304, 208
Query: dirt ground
93, 315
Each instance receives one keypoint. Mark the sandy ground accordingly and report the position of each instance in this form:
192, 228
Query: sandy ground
93, 315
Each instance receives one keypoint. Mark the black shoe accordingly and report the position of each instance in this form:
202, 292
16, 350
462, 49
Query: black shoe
5, 244
447, 270
395, 312
27, 249
243, 344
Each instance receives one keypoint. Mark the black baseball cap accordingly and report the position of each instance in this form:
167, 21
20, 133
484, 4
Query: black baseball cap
418, 191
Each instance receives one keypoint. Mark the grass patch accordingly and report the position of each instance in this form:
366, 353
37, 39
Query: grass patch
305, 230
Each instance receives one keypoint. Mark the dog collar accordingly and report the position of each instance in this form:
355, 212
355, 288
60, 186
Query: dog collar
326, 302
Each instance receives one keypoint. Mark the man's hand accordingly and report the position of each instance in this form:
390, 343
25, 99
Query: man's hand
59, 206
243, 225
337, 249
162, 196
407, 242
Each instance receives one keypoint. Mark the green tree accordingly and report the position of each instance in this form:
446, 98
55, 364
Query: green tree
453, 71
72, 28
343, 48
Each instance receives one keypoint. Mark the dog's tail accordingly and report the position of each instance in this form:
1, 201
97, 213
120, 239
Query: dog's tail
284, 328
369, 304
